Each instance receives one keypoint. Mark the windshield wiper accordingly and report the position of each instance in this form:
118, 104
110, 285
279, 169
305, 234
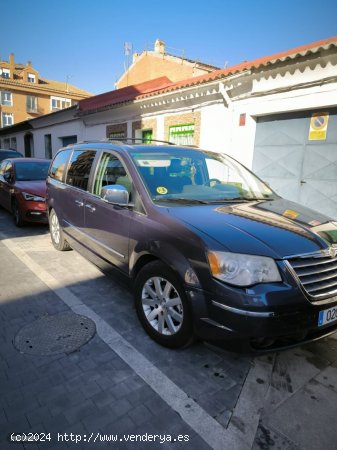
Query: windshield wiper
182, 200
240, 199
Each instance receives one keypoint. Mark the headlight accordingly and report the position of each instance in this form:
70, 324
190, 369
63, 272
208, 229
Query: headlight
243, 270
32, 197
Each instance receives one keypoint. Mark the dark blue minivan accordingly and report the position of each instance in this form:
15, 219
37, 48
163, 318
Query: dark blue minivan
211, 250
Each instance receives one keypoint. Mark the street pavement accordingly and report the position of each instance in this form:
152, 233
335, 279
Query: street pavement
121, 385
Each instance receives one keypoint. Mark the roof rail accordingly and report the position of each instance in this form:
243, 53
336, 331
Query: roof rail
147, 141
122, 141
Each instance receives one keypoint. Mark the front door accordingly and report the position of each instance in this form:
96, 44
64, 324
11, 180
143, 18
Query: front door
106, 225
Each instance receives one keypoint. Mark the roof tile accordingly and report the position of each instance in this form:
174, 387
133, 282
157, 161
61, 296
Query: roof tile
163, 84
123, 95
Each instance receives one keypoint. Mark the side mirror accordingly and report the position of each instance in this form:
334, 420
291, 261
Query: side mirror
8, 177
116, 194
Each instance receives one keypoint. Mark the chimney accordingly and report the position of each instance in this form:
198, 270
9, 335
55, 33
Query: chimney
159, 47
11, 65
29, 65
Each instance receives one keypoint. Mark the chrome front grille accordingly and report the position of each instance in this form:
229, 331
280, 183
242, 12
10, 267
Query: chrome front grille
317, 273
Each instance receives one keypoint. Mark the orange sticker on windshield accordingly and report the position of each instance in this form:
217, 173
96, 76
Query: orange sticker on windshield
290, 213
162, 190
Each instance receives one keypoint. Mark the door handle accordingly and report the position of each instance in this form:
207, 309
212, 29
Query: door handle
79, 202
90, 207
303, 182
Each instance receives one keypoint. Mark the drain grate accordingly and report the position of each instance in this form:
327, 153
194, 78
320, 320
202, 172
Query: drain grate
59, 333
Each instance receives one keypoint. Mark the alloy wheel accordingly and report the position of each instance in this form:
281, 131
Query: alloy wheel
162, 306
55, 228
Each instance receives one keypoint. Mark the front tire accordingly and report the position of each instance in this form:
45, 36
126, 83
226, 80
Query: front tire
17, 214
162, 306
56, 233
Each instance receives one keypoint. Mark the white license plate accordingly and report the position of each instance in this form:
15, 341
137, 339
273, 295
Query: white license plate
327, 316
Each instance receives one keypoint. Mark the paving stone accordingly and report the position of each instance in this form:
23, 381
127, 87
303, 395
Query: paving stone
103, 398
3, 417
119, 426
267, 438
51, 393
156, 405
18, 425
120, 407
295, 417
20, 408
80, 411
121, 389
37, 415
140, 415
64, 401
140, 395
97, 421
55, 424
87, 364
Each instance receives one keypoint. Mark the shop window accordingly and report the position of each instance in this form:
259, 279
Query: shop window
182, 134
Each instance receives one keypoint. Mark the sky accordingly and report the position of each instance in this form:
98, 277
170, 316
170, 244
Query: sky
82, 41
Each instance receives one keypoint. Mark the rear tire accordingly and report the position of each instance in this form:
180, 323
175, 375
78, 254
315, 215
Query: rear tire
56, 233
17, 214
162, 306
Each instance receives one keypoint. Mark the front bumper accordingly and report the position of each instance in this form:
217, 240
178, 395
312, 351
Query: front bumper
34, 211
269, 327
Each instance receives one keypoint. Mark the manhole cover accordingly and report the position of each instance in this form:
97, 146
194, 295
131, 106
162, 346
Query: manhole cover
60, 333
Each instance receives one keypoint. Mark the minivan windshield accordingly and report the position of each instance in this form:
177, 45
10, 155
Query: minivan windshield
185, 175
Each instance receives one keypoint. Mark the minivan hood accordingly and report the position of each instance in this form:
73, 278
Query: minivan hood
36, 187
276, 228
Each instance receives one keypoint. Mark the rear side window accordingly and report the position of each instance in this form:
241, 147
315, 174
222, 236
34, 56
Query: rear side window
58, 165
79, 168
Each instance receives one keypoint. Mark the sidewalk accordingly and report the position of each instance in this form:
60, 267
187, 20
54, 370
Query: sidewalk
121, 382
89, 391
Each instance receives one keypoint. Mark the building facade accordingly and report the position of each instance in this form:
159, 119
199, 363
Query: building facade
277, 115
156, 63
24, 94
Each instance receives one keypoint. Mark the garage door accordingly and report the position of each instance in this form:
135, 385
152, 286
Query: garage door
296, 167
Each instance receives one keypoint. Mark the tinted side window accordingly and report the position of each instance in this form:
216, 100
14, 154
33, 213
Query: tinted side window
79, 168
58, 165
110, 171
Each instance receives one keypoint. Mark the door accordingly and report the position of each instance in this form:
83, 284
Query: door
6, 187
296, 167
107, 226
29, 145
73, 196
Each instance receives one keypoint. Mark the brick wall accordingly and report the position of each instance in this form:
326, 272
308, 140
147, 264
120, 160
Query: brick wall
184, 119
145, 124
149, 67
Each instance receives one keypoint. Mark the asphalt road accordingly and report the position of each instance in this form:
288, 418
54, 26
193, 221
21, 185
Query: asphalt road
121, 383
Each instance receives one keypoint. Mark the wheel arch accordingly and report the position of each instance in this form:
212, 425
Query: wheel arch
168, 255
